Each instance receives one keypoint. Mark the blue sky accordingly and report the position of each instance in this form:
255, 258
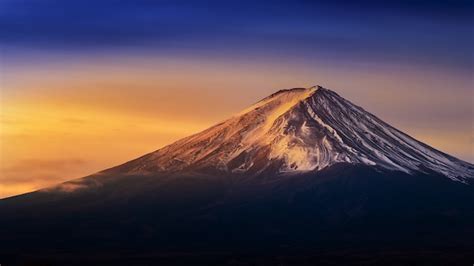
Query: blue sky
436, 33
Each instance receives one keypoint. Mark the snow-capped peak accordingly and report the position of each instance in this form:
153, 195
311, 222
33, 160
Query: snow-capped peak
300, 130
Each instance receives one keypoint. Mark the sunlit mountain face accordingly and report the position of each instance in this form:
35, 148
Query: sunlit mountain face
302, 173
296, 131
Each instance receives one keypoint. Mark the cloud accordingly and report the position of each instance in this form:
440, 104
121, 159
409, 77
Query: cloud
76, 121
39, 170
67, 187
48, 164
430, 30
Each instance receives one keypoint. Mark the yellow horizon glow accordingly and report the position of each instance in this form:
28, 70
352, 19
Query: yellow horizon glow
43, 145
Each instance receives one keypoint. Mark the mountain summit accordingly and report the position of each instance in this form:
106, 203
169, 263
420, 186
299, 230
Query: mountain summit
300, 130
299, 172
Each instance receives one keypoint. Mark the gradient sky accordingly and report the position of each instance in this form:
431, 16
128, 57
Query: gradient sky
86, 85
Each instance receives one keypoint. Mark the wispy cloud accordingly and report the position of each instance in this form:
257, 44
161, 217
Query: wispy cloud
33, 174
437, 31
39, 170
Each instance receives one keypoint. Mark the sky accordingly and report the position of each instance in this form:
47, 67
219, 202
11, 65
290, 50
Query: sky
87, 85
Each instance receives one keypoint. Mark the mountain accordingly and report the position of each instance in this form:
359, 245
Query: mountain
296, 131
303, 171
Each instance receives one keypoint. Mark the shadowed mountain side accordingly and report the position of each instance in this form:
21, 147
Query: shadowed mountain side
343, 206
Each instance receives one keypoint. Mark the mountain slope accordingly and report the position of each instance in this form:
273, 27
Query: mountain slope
300, 130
